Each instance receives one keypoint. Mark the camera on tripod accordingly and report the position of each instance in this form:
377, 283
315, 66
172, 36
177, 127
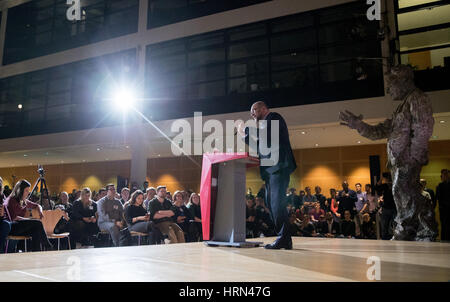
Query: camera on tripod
41, 170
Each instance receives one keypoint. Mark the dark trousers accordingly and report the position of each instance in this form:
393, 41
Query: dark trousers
5, 228
81, 231
387, 218
33, 228
276, 186
445, 223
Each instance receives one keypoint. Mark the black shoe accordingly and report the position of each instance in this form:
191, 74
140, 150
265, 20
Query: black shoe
280, 244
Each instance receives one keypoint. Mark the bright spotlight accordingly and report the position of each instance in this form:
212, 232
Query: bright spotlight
124, 99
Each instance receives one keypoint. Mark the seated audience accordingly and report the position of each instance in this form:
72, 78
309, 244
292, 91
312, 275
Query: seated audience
294, 225
16, 206
307, 228
110, 215
329, 228
194, 208
161, 213
263, 219
124, 195
334, 204
183, 217
138, 219
84, 220
150, 194
348, 228
5, 225
316, 212
368, 228
250, 217
293, 199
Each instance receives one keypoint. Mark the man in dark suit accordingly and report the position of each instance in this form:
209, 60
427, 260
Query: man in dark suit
276, 175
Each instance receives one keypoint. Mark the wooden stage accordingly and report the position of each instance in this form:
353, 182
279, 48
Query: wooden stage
312, 259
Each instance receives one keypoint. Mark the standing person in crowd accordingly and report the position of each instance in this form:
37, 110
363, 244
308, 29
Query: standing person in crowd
329, 228
161, 213
443, 199
348, 228
5, 225
183, 217
185, 195
372, 207
151, 193
359, 204
124, 195
138, 219
388, 208
194, 208
84, 220
334, 204
293, 199
16, 206
321, 198
423, 182
347, 199
309, 197
145, 186
72, 196
110, 215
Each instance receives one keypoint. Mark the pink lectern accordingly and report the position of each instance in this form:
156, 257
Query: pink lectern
222, 197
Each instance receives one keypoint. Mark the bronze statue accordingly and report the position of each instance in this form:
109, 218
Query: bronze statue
408, 132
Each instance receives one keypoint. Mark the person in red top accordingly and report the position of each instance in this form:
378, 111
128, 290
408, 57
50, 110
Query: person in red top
16, 206
334, 204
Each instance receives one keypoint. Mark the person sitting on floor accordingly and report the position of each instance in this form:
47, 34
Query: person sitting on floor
329, 228
348, 227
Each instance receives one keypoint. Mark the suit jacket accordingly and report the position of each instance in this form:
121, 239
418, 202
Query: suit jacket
286, 161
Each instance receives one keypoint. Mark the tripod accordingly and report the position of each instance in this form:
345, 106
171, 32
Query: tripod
43, 185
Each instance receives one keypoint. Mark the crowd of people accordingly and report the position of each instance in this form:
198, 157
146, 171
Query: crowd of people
346, 213
151, 212
176, 218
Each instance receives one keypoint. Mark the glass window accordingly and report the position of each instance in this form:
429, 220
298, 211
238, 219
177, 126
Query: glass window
247, 49
169, 63
247, 32
295, 40
425, 39
304, 77
424, 17
291, 23
336, 72
35, 116
250, 66
59, 98
208, 40
209, 73
59, 113
206, 56
294, 59
205, 90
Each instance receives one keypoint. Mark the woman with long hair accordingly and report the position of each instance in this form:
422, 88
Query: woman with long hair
17, 205
84, 219
183, 217
138, 219
194, 208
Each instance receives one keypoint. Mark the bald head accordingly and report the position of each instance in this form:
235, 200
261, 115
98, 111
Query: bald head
259, 110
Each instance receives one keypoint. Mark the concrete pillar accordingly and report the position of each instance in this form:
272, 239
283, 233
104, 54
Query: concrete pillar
139, 151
